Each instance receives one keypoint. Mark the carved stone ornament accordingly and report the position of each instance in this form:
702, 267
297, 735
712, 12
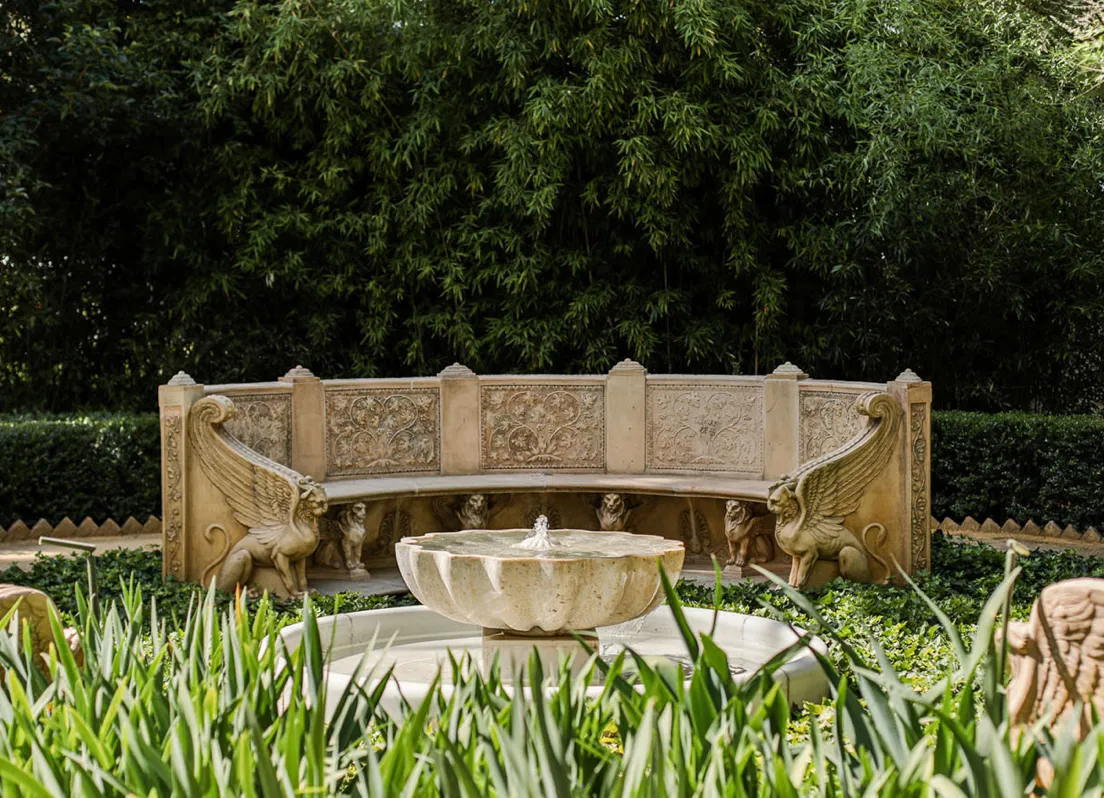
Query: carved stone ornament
705, 428
1057, 660
812, 502
473, 512
33, 613
263, 423
181, 378
908, 375
279, 507
543, 426
173, 502
694, 531
613, 514
551, 513
382, 431
920, 511
750, 534
828, 421
394, 527
343, 547
298, 373
788, 369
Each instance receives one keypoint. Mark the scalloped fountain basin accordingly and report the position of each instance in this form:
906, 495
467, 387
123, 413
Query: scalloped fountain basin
419, 644
532, 582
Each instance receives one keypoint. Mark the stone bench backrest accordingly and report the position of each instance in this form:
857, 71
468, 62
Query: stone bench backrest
628, 421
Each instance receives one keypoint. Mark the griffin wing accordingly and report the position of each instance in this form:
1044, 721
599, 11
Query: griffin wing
1069, 626
830, 487
262, 494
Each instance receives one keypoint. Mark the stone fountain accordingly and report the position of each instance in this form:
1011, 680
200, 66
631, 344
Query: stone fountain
499, 596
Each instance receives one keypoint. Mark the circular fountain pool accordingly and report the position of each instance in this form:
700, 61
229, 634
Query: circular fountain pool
416, 643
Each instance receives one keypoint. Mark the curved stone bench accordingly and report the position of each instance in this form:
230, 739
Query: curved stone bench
255, 474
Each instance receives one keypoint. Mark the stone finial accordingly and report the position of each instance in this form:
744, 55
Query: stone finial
789, 371
456, 371
628, 364
181, 378
298, 373
908, 375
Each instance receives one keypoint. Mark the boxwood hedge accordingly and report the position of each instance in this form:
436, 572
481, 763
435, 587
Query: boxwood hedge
102, 466
1001, 465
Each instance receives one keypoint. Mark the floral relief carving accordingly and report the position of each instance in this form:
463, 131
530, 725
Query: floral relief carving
543, 426
382, 431
263, 423
174, 502
705, 428
920, 511
828, 421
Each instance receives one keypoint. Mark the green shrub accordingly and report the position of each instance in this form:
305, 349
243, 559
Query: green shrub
101, 465
1018, 465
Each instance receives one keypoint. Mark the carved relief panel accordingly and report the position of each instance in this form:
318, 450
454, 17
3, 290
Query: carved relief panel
172, 526
543, 426
828, 421
382, 431
920, 510
263, 423
705, 428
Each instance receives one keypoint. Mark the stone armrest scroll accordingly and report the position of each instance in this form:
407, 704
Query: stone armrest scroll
812, 503
279, 508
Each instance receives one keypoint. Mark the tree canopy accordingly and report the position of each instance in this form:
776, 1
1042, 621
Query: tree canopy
379, 187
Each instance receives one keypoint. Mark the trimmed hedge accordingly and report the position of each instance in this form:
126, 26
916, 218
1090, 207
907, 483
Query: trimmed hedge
1002, 465
1018, 465
101, 465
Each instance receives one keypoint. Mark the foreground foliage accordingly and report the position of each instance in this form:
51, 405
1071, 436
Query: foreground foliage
199, 706
371, 187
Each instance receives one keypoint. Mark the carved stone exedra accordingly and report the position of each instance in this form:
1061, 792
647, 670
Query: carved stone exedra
279, 508
1057, 660
382, 431
694, 531
920, 534
828, 421
750, 533
263, 423
172, 529
705, 428
613, 513
812, 502
542, 426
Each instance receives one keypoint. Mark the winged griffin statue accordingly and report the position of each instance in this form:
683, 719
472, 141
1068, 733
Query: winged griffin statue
1057, 657
279, 507
811, 503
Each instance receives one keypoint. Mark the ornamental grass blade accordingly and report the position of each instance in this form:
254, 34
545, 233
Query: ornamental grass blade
688, 636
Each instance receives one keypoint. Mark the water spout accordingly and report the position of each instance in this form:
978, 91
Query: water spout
539, 539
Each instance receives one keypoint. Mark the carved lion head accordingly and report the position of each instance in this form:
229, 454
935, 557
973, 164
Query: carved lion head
359, 511
475, 503
312, 498
613, 504
783, 503
737, 512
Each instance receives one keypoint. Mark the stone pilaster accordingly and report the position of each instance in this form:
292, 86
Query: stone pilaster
175, 400
460, 439
915, 397
308, 423
626, 396
781, 420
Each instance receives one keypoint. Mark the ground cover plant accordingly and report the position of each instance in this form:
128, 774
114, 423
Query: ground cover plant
191, 703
